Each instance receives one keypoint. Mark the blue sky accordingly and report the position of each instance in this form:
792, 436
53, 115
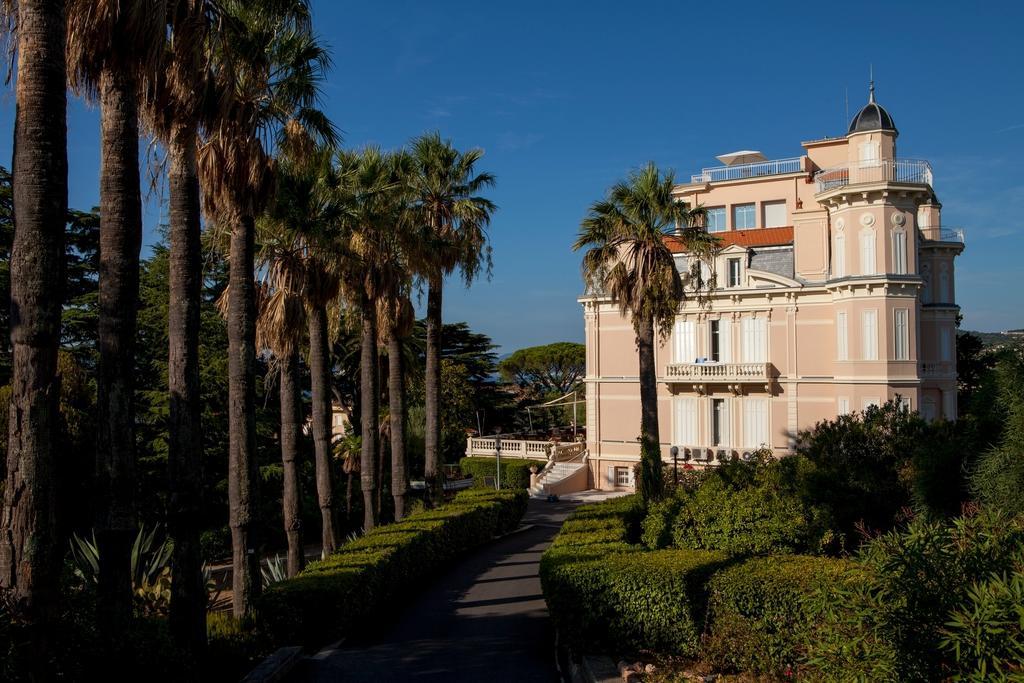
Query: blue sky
566, 97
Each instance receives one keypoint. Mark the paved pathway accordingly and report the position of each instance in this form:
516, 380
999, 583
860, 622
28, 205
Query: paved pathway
483, 620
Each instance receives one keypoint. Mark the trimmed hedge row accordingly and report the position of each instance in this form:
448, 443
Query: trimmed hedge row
358, 585
515, 474
606, 592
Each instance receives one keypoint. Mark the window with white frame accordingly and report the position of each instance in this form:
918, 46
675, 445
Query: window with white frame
684, 341
899, 252
720, 423
622, 477
735, 270
901, 334
755, 339
705, 275
868, 152
869, 330
684, 419
867, 252
842, 337
743, 216
774, 214
905, 403
755, 423
716, 219
873, 401
843, 405
839, 257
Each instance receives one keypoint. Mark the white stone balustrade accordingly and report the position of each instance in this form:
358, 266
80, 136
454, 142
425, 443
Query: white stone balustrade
719, 372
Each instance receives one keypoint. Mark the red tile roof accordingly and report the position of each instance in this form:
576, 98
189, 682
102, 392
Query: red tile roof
765, 237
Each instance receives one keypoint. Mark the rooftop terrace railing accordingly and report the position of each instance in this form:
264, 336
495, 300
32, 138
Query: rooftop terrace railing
916, 171
754, 170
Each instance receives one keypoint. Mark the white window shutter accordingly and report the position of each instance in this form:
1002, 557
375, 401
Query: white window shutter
839, 258
842, 335
610, 479
725, 340
869, 343
867, 252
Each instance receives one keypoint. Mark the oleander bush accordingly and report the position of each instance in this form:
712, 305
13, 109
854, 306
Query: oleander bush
758, 616
985, 635
515, 474
892, 624
360, 584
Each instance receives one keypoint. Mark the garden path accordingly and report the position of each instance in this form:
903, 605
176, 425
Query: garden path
483, 620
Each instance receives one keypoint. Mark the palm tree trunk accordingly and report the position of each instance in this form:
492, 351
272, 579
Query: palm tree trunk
120, 241
30, 550
432, 400
396, 409
651, 468
185, 441
291, 444
242, 468
320, 381
369, 409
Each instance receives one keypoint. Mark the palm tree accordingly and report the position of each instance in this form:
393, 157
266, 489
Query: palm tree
111, 46
304, 208
629, 260
272, 69
367, 182
398, 317
180, 99
279, 327
30, 550
444, 187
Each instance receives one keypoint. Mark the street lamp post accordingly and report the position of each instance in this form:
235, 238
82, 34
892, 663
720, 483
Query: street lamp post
675, 464
497, 457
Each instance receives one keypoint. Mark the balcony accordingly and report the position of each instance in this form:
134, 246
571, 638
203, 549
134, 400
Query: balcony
942, 234
916, 171
707, 373
744, 171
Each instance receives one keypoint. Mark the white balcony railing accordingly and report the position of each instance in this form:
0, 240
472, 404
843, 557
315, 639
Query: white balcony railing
523, 449
754, 170
719, 372
916, 171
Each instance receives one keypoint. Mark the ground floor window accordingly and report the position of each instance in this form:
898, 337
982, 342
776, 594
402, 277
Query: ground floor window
622, 477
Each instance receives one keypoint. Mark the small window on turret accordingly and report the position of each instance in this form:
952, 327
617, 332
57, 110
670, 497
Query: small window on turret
868, 152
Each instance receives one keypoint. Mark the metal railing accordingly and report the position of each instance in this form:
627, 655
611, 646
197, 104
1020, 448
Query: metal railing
719, 372
754, 170
941, 234
916, 171
938, 369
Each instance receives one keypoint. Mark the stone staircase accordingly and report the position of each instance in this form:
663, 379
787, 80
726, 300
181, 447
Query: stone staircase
556, 476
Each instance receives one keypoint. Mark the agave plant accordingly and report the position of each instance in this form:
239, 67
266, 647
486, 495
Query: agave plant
275, 570
150, 568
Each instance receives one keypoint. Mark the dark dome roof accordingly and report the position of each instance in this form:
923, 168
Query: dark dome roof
871, 117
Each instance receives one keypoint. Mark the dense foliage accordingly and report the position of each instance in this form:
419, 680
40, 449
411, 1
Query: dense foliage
515, 474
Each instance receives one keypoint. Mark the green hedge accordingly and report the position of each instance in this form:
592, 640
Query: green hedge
758, 617
357, 586
603, 592
515, 474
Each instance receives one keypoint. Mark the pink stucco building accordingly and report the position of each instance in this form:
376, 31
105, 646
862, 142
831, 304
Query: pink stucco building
834, 290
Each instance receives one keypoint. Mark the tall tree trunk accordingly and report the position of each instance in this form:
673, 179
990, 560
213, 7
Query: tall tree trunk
396, 410
369, 409
291, 444
120, 241
651, 475
242, 467
320, 381
185, 440
30, 550
432, 400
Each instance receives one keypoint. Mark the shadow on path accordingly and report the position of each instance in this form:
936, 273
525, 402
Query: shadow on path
483, 620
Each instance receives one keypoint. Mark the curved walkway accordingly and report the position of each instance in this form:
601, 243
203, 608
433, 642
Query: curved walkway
483, 620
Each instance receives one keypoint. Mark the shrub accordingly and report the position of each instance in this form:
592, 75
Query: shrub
985, 635
757, 614
515, 474
998, 477
746, 508
604, 592
659, 522
357, 586
890, 624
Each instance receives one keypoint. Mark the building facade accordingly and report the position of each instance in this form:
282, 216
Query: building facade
832, 290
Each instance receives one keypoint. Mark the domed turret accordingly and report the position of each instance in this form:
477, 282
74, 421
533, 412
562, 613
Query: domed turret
872, 117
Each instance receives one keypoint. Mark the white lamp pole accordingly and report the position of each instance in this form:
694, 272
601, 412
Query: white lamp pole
497, 454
